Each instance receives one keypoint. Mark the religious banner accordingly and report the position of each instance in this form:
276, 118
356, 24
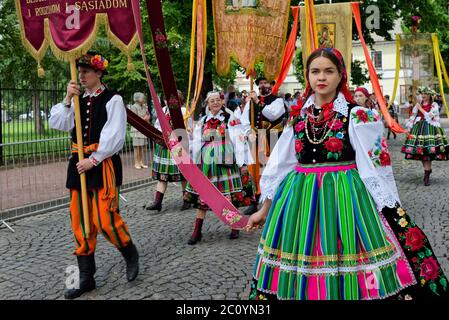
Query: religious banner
333, 29
70, 27
417, 62
250, 31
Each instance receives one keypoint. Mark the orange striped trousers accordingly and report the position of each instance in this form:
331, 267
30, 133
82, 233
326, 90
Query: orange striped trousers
104, 217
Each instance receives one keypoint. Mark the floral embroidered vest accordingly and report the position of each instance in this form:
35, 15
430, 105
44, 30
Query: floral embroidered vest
336, 147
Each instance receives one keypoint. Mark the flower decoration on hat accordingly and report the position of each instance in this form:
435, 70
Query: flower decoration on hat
94, 61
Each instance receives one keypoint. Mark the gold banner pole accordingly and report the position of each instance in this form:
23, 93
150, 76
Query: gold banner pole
79, 140
254, 169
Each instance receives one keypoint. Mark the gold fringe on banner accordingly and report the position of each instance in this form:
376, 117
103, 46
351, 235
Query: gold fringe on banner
244, 35
74, 53
101, 18
130, 66
38, 55
40, 70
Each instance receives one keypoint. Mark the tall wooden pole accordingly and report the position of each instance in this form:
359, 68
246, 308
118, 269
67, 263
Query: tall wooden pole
254, 169
79, 140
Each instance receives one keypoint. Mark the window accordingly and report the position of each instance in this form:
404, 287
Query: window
376, 57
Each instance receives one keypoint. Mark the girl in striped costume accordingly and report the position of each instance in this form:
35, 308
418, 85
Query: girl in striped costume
214, 140
164, 168
427, 141
334, 227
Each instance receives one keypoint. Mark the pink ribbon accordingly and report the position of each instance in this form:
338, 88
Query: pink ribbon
224, 210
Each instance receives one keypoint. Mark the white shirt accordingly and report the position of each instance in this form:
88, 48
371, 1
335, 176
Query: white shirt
432, 117
112, 137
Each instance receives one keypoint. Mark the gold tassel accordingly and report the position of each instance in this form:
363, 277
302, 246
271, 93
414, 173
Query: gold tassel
40, 71
130, 66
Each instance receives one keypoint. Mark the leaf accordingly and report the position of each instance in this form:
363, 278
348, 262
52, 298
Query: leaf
443, 282
377, 152
421, 255
301, 135
336, 156
434, 287
329, 155
428, 252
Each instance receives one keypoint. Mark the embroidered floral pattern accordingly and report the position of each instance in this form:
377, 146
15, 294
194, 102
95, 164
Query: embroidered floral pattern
173, 102
213, 128
161, 39
379, 154
419, 252
365, 115
231, 216
333, 146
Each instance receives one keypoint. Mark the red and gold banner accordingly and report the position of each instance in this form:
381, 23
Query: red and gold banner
327, 26
70, 27
250, 31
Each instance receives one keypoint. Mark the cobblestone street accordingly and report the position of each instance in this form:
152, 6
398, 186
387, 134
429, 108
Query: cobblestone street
34, 259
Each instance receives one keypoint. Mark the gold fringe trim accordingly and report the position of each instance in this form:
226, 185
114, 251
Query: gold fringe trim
257, 59
328, 258
100, 18
130, 66
40, 71
39, 54
126, 49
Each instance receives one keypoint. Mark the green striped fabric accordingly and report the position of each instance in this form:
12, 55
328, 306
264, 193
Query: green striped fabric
323, 234
426, 142
164, 166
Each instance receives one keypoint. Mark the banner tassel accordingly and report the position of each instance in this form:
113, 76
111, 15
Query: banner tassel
130, 66
40, 71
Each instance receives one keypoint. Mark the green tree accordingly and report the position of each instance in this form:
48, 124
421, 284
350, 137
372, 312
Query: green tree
359, 74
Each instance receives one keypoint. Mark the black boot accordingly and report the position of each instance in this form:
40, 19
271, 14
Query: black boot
132, 261
251, 209
196, 235
185, 206
427, 177
234, 234
157, 204
86, 265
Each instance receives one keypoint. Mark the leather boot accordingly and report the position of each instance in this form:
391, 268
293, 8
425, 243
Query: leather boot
132, 261
251, 209
157, 204
86, 265
186, 206
234, 234
427, 177
196, 235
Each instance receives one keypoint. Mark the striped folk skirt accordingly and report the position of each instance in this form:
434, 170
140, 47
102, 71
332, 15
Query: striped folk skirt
426, 142
164, 166
224, 174
325, 240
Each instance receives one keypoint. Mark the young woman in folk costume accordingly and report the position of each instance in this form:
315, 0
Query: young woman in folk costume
213, 148
362, 98
427, 141
334, 228
164, 167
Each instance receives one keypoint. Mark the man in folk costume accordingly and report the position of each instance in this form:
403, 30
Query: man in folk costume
103, 118
266, 112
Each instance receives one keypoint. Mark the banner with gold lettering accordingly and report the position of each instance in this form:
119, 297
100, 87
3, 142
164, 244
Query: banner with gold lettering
70, 27
250, 31
333, 29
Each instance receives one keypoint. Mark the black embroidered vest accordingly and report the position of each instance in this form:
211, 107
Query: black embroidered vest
93, 118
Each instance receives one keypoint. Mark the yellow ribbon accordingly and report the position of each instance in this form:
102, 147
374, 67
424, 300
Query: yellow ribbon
200, 61
440, 65
398, 67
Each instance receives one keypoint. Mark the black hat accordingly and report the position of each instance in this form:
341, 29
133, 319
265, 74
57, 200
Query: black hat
94, 61
260, 79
